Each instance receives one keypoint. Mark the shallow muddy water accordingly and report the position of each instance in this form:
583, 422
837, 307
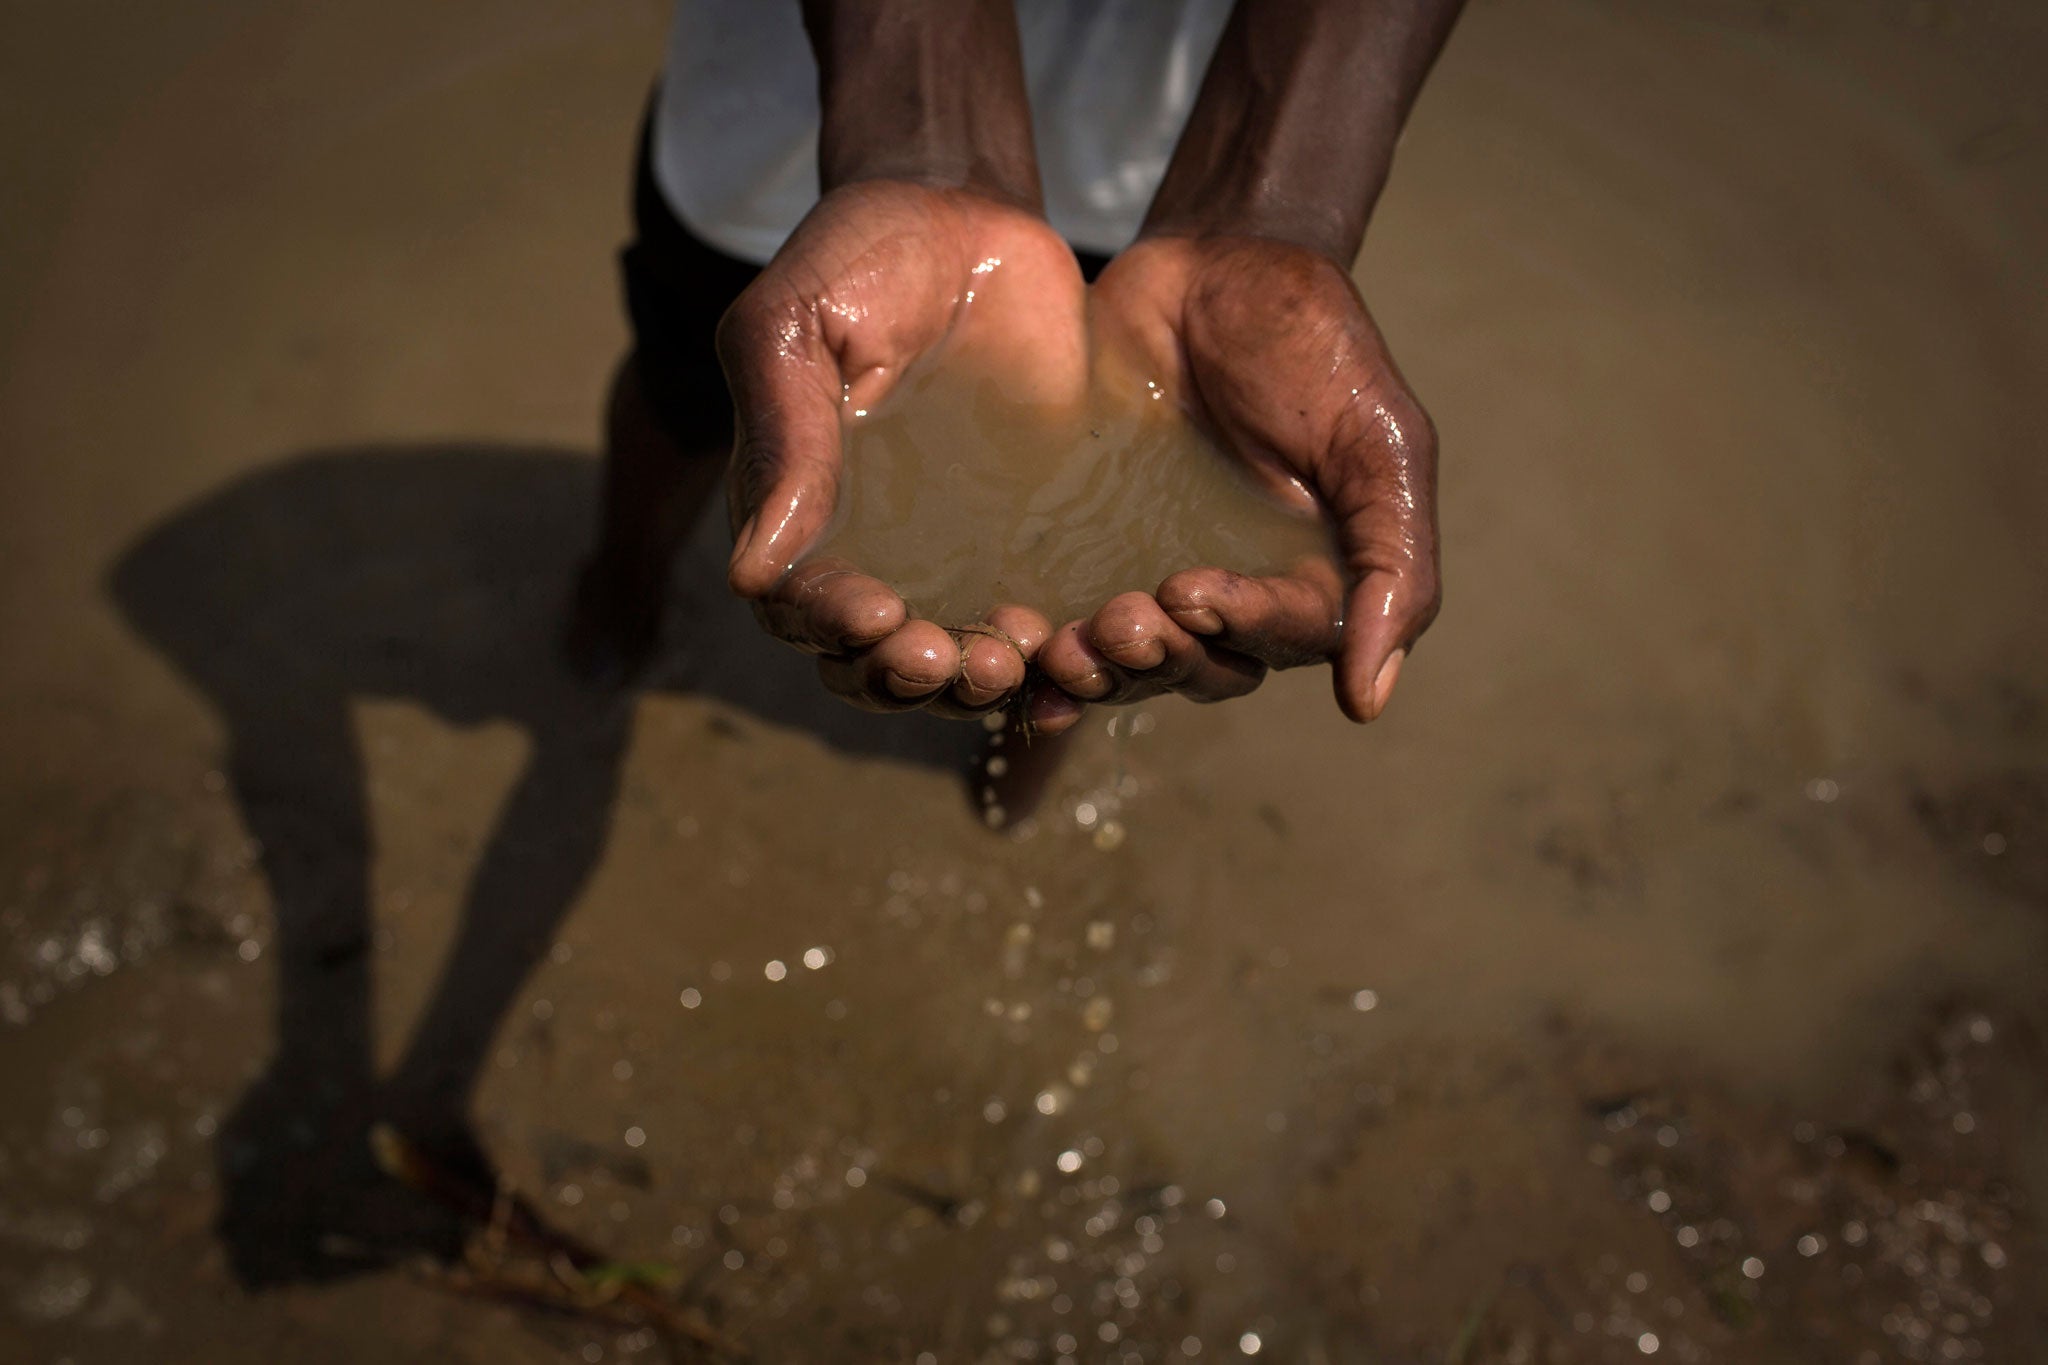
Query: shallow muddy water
1659, 979
963, 498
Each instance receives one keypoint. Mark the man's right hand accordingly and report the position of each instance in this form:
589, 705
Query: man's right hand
880, 274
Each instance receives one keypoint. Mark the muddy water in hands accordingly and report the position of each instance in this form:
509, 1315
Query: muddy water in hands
963, 497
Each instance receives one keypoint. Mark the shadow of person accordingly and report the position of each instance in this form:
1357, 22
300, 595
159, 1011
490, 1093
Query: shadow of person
438, 574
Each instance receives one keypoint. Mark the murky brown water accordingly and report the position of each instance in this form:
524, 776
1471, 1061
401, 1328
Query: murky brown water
965, 496
1660, 978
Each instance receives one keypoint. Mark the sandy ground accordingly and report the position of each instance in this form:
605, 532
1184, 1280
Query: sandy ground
1661, 977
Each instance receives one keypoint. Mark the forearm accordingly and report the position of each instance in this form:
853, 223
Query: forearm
925, 90
1293, 133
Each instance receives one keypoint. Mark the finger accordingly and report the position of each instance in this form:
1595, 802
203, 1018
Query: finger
1072, 662
900, 673
1075, 666
993, 666
1027, 629
1127, 631
1285, 621
1051, 711
786, 388
1388, 612
1385, 506
990, 670
829, 607
1153, 654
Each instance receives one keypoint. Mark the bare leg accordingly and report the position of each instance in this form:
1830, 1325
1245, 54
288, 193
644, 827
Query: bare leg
654, 490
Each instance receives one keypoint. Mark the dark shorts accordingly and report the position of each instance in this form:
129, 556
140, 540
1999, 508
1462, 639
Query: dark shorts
677, 288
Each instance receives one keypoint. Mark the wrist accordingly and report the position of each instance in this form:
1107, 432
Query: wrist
1293, 133
927, 91
1272, 203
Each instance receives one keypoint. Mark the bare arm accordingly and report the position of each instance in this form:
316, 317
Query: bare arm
1293, 133
928, 91
929, 175
1239, 291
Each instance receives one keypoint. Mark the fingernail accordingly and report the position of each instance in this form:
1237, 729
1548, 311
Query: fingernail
1199, 620
1383, 684
903, 688
1141, 656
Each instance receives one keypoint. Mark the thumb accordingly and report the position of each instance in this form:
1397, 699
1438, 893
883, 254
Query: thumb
1382, 619
1385, 507
783, 483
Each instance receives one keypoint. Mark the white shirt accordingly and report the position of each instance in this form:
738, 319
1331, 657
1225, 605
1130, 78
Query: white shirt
1111, 82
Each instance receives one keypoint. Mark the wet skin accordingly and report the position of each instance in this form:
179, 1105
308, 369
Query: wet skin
1237, 290
878, 276
1272, 349
1266, 344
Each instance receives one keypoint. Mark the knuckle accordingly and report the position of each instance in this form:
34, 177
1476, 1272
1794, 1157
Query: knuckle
1431, 607
1424, 595
743, 324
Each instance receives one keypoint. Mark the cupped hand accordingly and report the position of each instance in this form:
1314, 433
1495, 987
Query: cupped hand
1269, 346
880, 275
